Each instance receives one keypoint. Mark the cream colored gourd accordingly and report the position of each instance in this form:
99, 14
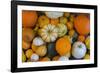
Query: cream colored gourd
54, 15
78, 50
49, 33
34, 57
63, 58
38, 41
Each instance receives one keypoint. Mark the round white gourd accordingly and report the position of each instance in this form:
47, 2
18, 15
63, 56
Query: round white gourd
34, 57
38, 41
78, 50
54, 15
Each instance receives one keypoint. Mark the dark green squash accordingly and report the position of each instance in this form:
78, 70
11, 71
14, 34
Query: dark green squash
51, 52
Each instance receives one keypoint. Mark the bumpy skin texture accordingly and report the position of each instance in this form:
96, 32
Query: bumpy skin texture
82, 24
29, 18
63, 46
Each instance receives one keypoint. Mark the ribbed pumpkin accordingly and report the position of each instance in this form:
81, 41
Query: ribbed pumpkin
82, 24
49, 33
29, 18
63, 46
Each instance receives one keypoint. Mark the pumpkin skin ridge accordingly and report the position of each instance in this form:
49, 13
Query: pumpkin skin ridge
50, 36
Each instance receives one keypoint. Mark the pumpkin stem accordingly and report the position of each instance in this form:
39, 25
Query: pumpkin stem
80, 46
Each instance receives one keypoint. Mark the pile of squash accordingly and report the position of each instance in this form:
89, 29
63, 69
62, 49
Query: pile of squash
55, 36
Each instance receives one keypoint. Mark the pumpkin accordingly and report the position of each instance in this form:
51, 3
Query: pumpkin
28, 53
54, 21
87, 42
29, 18
53, 14
49, 33
78, 50
41, 50
63, 20
81, 38
82, 24
23, 57
63, 46
37, 41
43, 20
71, 32
63, 58
62, 30
25, 45
34, 57
27, 34
51, 52
45, 59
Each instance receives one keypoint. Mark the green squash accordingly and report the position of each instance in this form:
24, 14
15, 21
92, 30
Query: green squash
51, 52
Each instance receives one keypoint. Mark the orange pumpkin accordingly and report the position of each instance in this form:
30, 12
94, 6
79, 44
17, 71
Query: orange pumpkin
82, 24
54, 21
63, 46
29, 18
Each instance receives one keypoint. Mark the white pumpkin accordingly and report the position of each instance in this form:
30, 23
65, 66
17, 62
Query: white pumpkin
49, 33
79, 50
62, 30
54, 15
63, 58
37, 41
34, 57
